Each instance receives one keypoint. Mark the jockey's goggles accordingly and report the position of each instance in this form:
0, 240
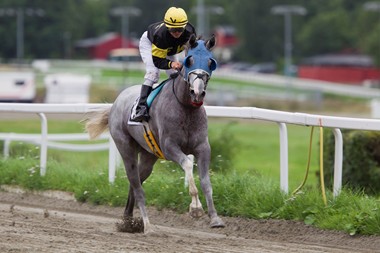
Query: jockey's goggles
177, 30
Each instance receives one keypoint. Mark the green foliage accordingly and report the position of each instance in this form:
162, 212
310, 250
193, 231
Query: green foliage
166, 189
336, 38
223, 148
246, 194
329, 26
351, 212
361, 160
97, 190
22, 171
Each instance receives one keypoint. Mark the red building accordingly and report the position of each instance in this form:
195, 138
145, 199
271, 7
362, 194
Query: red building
99, 48
227, 41
340, 68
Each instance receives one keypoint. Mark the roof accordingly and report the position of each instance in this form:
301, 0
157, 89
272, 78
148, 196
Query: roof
90, 42
358, 60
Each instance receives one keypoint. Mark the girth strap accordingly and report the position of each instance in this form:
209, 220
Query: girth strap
152, 144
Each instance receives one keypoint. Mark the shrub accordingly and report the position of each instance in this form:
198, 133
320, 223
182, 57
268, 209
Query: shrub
361, 160
223, 148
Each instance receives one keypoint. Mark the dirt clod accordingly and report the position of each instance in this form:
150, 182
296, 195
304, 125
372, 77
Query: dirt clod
130, 225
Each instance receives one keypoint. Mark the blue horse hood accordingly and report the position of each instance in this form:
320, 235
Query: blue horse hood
201, 56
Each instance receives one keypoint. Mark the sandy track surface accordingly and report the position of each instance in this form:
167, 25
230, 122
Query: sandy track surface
36, 223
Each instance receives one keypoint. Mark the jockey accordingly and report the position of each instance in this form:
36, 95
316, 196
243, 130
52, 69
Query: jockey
159, 49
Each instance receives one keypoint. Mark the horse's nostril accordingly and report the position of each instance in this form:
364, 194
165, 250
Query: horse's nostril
192, 92
203, 93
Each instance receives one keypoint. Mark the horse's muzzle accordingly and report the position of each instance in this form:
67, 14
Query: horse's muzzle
197, 98
197, 104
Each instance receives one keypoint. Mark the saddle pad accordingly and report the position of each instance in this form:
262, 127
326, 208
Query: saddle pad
155, 92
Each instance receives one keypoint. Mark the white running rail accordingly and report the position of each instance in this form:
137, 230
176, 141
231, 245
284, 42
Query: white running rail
53, 141
280, 117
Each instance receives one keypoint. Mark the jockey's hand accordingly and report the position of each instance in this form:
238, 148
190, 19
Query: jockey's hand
176, 65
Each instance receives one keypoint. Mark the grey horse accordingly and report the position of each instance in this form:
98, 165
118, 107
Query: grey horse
179, 126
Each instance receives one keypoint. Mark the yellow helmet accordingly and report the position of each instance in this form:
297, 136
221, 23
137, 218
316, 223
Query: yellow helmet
175, 18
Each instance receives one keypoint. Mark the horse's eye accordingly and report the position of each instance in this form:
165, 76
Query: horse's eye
189, 61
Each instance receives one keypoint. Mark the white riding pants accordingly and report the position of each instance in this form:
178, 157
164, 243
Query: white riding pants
152, 73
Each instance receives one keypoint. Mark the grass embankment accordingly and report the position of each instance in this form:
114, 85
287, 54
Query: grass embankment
247, 187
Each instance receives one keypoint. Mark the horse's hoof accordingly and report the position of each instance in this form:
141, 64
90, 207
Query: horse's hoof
196, 212
148, 229
217, 222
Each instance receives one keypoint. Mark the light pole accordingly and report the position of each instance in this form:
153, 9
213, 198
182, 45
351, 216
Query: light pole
211, 10
124, 13
288, 11
20, 13
200, 10
373, 6
203, 12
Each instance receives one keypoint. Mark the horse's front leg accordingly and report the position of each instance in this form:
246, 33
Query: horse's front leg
174, 153
195, 208
203, 155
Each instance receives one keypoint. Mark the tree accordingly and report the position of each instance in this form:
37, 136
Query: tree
329, 26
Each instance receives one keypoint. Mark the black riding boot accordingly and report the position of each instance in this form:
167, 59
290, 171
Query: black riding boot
142, 108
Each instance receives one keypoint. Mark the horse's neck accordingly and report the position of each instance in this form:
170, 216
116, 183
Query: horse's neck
181, 91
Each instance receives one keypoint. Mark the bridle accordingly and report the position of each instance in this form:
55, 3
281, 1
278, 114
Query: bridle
199, 76
187, 81
198, 64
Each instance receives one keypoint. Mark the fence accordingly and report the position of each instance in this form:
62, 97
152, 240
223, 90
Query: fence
53, 141
281, 118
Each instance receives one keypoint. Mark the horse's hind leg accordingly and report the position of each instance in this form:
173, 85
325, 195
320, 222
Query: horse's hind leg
137, 173
145, 168
128, 211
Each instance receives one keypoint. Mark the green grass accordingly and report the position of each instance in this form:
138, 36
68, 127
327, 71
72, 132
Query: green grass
258, 149
255, 144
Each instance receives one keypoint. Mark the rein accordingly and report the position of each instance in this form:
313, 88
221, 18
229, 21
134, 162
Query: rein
179, 73
198, 75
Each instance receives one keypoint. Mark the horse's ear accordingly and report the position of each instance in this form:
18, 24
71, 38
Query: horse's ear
212, 64
210, 44
192, 41
188, 62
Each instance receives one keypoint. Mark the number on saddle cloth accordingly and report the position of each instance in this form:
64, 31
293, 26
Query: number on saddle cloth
155, 92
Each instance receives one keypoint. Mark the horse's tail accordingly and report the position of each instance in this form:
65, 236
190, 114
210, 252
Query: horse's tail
96, 122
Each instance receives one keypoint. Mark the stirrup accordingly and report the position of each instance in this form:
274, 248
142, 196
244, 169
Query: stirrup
140, 116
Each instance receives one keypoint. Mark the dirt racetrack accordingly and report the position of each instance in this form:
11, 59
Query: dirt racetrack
37, 223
